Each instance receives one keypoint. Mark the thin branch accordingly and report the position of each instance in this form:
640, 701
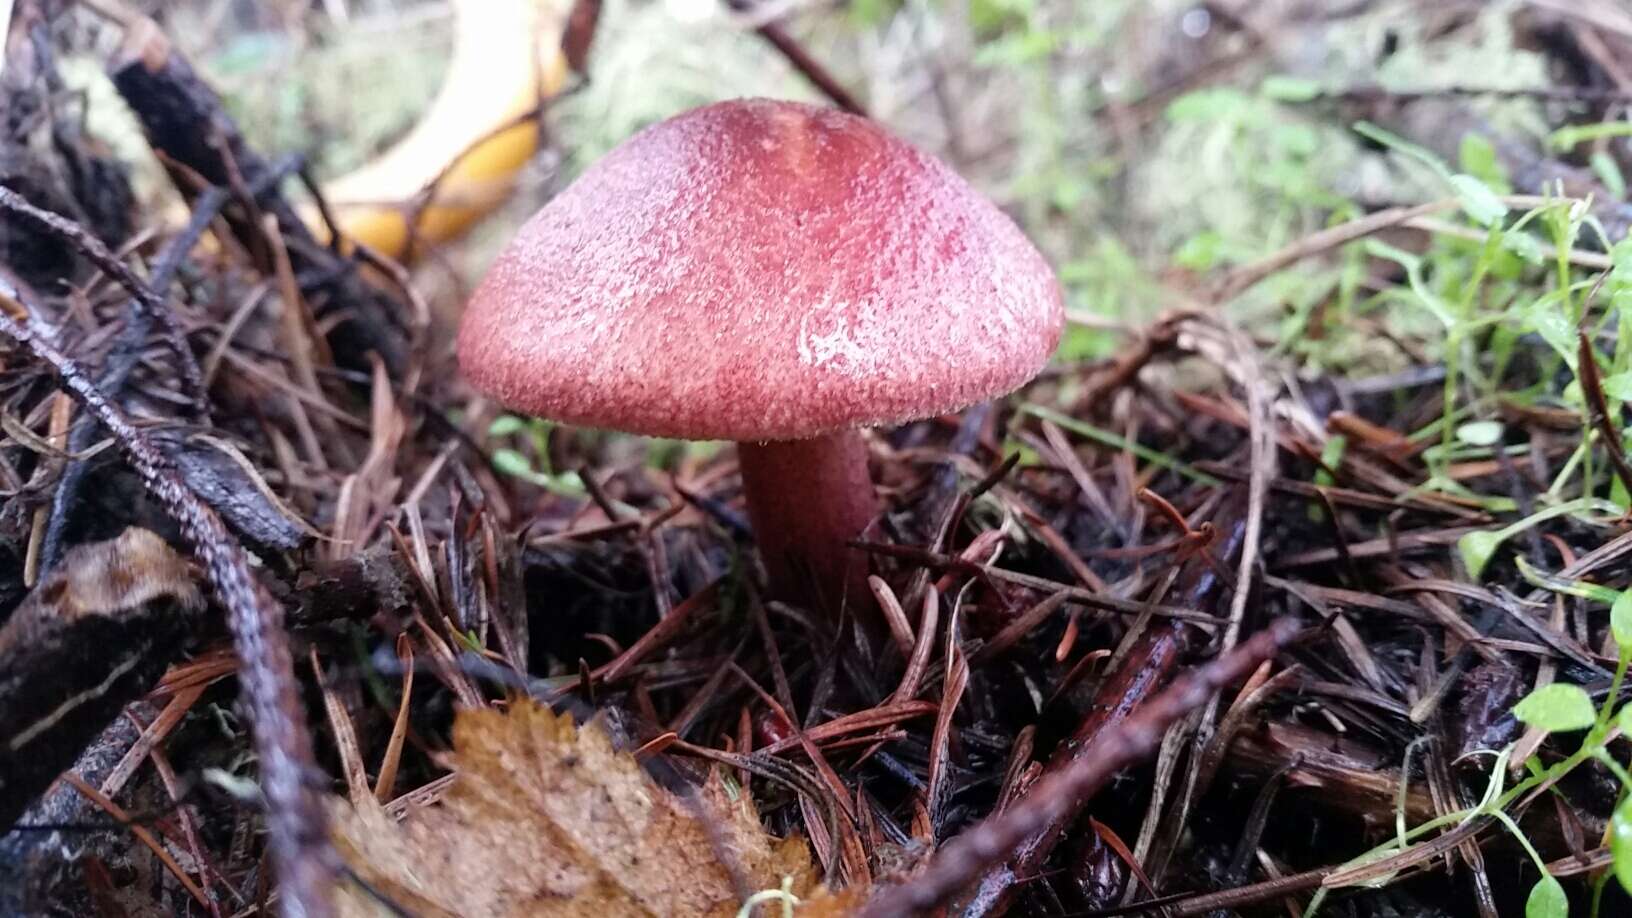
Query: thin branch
295, 817
801, 60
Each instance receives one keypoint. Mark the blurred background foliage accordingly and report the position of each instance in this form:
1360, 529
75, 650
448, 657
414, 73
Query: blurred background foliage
1141, 143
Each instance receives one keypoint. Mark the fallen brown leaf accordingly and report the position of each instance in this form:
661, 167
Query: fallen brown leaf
546, 818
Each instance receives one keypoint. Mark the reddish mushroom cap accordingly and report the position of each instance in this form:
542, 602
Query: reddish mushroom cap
759, 270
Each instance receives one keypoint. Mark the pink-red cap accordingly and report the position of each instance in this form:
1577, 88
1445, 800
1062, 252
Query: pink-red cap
759, 270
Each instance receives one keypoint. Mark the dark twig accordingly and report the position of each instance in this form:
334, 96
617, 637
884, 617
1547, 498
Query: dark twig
991, 840
801, 60
1239, 279
426, 196
580, 33
295, 816
1135, 674
151, 305
1074, 595
1592, 388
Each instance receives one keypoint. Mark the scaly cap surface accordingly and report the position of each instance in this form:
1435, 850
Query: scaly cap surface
759, 270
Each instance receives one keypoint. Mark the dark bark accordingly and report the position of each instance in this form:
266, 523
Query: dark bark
91, 638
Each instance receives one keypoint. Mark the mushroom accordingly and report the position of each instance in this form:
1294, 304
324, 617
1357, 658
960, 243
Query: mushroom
776, 274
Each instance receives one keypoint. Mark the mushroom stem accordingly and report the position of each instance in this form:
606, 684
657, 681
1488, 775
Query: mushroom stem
806, 500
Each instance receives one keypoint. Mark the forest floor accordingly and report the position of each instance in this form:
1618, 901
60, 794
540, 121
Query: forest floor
1346, 289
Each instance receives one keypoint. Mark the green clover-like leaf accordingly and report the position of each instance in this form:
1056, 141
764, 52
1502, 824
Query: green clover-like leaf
1480, 433
1476, 548
1547, 900
1556, 707
1477, 200
1620, 621
1620, 843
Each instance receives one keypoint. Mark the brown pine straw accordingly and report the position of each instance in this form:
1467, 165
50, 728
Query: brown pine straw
992, 839
143, 835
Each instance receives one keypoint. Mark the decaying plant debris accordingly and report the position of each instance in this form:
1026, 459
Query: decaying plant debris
583, 829
92, 637
273, 426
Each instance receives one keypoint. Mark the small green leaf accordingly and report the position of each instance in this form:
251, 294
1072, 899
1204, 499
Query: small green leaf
1028, 456
1524, 246
1477, 156
1620, 621
1624, 719
1200, 252
504, 425
987, 16
1402, 146
1015, 49
1546, 317
1283, 88
1609, 172
511, 462
1476, 548
1480, 433
1412, 264
1569, 587
1478, 200
1575, 134
1217, 103
869, 12
1620, 259
1295, 140
1620, 842
1068, 191
1547, 900
1476, 153
1331, 457
1556, 707
1618, 386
